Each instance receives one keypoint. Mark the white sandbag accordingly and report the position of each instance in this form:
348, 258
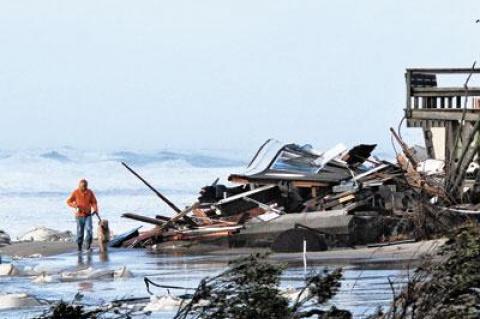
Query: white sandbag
9, 270
163, 303
8, 301
12, 271
44, 278
122, 273
49, 268
86, 274
46, 234
28, 271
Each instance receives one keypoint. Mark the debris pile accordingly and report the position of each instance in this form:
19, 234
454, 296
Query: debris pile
290, 193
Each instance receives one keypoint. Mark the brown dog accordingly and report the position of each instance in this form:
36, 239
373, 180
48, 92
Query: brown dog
103, 234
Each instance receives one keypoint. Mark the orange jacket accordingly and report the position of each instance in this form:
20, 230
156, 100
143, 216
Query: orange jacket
84, 201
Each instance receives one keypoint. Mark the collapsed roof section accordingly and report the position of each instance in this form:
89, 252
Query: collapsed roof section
275, 162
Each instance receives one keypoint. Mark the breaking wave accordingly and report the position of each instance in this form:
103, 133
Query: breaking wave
54, 172
67, 155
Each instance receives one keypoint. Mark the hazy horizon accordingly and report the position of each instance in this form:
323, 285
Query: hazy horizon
218, 75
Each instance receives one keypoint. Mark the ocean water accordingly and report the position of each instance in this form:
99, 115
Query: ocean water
363, 288
34, 184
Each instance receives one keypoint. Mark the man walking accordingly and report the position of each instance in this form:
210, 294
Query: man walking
85, 204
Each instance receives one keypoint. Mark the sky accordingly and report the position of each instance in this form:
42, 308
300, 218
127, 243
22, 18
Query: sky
152, 74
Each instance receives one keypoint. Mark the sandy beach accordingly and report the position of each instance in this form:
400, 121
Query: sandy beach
396, 253
29, 248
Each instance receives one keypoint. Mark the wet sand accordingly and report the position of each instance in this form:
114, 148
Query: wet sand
395, 254
28, 248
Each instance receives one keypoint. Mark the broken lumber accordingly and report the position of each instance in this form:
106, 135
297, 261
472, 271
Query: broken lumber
160, 195
145, 219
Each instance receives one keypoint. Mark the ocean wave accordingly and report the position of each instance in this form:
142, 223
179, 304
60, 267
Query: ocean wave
99, 193
70, 155
23, 175
193, 159
56, 156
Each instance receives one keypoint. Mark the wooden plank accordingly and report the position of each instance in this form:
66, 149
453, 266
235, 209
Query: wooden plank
408, 77
451, 128
444, 115
144, 219
428, 136
468, 151
444, 70
160, 195
238, 180
444, 91
308, 184
183, 213
244, 194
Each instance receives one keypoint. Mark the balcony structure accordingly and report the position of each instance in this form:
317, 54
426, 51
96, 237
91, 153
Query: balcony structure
449, 117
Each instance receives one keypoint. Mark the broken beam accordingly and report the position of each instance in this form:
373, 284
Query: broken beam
144, 219
443, 114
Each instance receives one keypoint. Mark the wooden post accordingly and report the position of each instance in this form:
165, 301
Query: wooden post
428, 136
408, 79
449, 140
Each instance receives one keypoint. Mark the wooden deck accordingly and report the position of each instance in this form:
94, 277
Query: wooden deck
454, 108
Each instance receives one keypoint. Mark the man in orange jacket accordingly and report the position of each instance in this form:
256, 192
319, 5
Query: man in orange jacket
85, 204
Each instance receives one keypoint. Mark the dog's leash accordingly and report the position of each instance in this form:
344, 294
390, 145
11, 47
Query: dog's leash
98, 216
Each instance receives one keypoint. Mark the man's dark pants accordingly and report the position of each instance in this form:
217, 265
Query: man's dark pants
84, 224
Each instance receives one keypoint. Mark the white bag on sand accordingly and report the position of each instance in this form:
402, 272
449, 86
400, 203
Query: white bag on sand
45, 278
46, 234
9, 270
49, 268
86, 274
122, 273
12, 271
8, 301
163, 303
91, 273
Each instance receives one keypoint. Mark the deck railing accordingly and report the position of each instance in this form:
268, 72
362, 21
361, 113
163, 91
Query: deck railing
423, 91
